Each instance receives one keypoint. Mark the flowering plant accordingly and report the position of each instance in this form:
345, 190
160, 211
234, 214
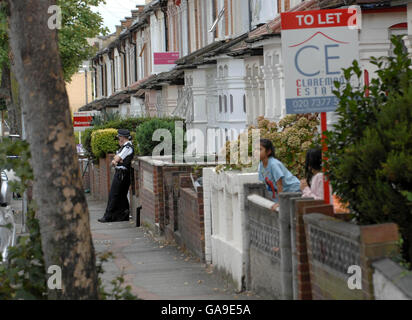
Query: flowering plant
292, 136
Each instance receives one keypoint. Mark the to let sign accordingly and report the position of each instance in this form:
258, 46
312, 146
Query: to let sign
316, 45
83, 120
164, 61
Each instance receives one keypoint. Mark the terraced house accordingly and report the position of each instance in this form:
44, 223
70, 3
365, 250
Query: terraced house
218, 63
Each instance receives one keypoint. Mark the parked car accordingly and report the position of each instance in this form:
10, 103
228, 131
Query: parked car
7, 223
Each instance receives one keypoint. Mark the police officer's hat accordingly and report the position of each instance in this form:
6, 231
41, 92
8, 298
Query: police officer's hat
123, 133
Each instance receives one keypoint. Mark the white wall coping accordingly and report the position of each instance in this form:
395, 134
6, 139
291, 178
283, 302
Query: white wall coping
260, 201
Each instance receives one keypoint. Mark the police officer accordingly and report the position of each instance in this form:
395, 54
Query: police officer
118, 204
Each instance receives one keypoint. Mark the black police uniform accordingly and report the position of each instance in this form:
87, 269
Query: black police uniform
118, 204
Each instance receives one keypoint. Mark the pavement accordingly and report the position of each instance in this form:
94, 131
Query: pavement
154, 268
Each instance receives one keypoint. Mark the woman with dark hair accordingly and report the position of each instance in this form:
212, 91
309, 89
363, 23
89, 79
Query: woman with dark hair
274, 173
313, 186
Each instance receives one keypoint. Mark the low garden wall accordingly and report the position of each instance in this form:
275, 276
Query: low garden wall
224, 208
191, 221
151, 192
276, 260
101, 175
173, 182
84, 171
298, 207
170, 206
391, 281
263, 268
335, 245
94, 181
301, 252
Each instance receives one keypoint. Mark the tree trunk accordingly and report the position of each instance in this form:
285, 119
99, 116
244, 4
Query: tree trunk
58, 192
9, 91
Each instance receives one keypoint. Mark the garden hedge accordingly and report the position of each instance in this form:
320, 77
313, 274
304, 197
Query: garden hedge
103, 142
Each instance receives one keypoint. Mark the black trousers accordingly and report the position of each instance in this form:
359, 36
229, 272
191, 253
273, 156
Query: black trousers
118, 205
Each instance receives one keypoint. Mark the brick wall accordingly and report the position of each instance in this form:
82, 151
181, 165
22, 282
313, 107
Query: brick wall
302, 286
334, 245
134, 190
95, 181
84, 168
153, 183
172, 184
105, 176
101, 176
191, 221
377, 241
147, 194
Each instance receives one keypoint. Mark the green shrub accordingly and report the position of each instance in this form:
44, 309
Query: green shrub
87, 141
370, 149
103, 142
105, 117
129, 123
145, 131
135, 144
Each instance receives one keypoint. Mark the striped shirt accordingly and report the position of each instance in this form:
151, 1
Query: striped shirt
124, 152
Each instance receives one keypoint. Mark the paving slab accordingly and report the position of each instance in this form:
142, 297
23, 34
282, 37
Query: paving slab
155, 270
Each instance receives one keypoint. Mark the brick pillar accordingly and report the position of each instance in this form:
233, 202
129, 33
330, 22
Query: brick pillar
287, 5
226, 18
201, 221
304, 284
302, 287
377, 241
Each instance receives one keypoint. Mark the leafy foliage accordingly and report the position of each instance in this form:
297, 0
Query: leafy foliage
79, 23
370, 149
20, 166
119, 291
105, 117
24, 276
145, 131
133, 125
103, 142
129, 123
4, 39
292, 136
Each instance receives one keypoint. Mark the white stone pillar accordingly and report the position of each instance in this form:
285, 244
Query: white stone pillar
199, 112
268, 78
281, 93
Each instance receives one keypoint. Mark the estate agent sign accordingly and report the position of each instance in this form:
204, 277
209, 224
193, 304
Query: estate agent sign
316, 45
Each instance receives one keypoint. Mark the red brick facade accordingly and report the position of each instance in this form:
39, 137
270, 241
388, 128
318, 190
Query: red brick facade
152, 187
191, 220
302, 208
100, 177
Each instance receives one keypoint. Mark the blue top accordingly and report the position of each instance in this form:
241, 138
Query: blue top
274, 171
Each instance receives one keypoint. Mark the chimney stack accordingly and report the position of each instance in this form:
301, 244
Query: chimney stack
118, 30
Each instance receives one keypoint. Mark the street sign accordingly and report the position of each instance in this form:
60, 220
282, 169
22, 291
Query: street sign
164, 61
83, 120
316, 45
